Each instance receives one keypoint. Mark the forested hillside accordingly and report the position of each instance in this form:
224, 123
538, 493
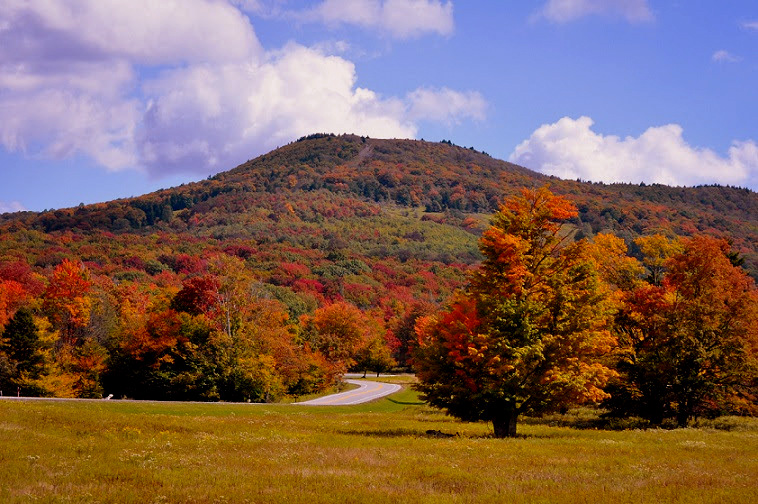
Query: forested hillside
328, 240
329, 177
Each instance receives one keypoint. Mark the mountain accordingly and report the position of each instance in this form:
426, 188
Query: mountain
394, 200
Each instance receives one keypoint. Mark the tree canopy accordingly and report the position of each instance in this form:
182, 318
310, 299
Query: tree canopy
530, 332
688, 334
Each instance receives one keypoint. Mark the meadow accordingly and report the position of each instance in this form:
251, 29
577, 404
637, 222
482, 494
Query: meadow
152, 452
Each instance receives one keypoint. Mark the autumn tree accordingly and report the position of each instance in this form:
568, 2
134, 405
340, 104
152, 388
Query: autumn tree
338, 331
197, 295
375, 355
66, 299
251, 350
689, 337
528, 334
656, 250
12, 294
619, 271
405, 333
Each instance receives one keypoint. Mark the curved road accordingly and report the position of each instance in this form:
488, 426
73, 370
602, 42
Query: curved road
366, 391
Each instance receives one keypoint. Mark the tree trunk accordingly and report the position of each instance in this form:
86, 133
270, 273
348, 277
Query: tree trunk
504, 423
684, 413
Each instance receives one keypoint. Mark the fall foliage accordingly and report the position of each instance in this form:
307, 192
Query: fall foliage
689, 336
326, 255
531, 330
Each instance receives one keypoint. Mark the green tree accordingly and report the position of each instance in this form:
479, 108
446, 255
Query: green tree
375, 356
21, 358
529, 333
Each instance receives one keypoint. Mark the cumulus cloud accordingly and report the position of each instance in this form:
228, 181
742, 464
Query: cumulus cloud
564, 11
67, 109
144, 31
11, 206
570, 149
446, 105
188, 88
67, 90
217, 115
399, 18
723, 56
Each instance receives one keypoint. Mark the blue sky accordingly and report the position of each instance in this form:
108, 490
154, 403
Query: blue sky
101, 99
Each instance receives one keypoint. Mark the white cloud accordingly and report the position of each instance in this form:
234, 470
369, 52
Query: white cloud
399, 18
750, 25
11, 206
79, 107
143, 31
563, 11
67, 90
723, 56
570, 149
188, 87
216, 116
446, 105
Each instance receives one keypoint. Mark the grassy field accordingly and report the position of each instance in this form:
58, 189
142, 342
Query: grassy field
110, 451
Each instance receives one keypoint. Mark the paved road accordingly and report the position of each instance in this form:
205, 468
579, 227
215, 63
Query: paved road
367, 391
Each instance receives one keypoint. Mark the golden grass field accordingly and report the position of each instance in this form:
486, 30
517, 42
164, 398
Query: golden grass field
148, 452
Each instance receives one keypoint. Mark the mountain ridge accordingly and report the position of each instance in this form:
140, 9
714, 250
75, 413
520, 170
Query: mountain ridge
436, 177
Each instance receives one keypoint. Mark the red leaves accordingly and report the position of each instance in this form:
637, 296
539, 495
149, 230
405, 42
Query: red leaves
691, 334
198, 295
157, 340
12, 294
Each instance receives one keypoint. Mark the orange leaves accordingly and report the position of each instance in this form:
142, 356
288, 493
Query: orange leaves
504, 270
154, 341
67, 296
523, 244
690, 334
12, 294
530, 333
69, 280
339, 330
610, 254
536, 212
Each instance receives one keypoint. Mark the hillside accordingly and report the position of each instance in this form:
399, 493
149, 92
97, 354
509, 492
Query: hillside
299, 193
236, 287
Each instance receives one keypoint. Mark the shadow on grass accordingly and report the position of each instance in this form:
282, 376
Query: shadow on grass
398, 433
406, 403
384, 433
432, 434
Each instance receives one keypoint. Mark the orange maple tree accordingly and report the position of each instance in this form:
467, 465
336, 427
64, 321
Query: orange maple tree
67, 300
529, 333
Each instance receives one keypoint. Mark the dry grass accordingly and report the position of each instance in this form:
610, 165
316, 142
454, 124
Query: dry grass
162, 452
